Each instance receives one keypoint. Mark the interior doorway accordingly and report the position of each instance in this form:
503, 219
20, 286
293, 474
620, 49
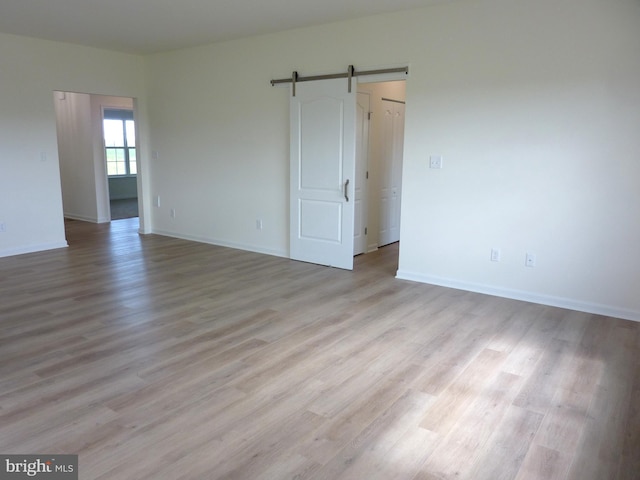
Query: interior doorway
82, 154
119, 131
379, 164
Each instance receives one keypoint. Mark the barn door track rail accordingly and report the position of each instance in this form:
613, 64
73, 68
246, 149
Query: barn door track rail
349, 74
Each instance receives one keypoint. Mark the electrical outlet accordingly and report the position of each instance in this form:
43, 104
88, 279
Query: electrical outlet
495, 254
435, 161
259, 224
530, 259
157, 201
173, 213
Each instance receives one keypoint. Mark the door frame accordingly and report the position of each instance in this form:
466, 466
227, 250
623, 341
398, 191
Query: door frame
373, 181
107, 106
361, 178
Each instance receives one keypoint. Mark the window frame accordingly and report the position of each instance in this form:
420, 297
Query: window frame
123, 115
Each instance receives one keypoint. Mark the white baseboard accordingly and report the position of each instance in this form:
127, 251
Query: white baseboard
32, 249
568, 303
223, 243
82, 218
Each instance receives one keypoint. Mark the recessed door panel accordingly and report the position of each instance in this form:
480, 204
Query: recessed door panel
321, 143
321, 221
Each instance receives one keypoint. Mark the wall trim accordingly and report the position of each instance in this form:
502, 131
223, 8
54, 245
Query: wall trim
85, 218
561, 302
10, 252
223, 243
82, 218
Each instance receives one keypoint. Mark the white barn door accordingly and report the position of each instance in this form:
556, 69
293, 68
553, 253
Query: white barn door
322, 175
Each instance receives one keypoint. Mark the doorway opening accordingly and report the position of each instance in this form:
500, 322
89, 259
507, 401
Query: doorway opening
379, 152
120, 153
89, 162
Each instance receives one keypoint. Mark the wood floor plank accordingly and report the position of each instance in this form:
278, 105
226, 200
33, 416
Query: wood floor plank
541, 386
406, 458
461, 393
364, 455
542, 462
355, 415
458, 351
155, 357
508, 446
467, 440
563, 424
629, 460
610, 410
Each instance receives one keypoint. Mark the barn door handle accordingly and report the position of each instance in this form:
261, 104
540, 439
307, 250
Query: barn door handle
346, 192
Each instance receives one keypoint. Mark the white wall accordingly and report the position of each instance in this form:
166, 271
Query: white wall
533, 105
75, 153
30, 192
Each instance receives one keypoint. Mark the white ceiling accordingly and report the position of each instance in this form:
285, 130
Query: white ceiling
149, 26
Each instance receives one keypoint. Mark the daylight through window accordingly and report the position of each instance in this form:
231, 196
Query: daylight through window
120, 142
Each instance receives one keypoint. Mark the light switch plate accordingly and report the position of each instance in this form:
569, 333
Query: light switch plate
435, 161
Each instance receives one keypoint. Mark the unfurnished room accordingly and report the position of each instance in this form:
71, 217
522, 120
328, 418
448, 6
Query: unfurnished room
349, 239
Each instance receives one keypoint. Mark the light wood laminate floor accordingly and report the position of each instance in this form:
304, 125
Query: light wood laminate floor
158, 358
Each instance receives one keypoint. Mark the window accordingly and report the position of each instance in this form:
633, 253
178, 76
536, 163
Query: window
120, 142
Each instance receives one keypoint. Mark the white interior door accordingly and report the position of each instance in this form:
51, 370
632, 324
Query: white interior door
391, 172
362, 166
323, 127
